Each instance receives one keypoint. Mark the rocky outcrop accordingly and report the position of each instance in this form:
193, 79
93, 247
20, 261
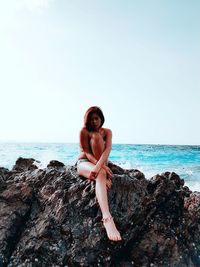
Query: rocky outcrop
50, 217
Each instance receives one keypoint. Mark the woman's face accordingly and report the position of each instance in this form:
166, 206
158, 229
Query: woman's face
95, 121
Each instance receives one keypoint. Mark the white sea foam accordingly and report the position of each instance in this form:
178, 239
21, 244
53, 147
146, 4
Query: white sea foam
149, 172
193, 185
46, 157
128, 165
124, 165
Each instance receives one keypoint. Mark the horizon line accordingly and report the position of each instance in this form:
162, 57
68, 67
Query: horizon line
114, 143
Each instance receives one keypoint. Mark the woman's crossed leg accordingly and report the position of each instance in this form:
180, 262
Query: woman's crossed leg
84, 169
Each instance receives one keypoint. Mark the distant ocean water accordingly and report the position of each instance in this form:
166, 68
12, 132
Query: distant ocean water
150, 159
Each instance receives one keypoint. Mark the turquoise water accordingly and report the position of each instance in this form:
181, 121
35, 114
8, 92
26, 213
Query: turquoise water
150, 159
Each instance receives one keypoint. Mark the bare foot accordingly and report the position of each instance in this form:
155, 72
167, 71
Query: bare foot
112, 232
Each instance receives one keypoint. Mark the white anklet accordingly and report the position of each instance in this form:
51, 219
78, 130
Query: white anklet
105, 220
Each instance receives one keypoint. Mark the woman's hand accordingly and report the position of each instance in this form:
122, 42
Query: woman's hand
93, 175
94, 172
108, 183
108, 171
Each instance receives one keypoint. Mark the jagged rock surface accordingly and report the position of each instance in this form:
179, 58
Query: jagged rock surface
50, 217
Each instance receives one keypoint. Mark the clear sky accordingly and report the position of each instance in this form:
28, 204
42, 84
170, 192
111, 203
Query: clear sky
138, 60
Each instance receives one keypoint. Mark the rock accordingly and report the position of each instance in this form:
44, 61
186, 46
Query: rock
24, 164
55, 164
50, 217
4, 176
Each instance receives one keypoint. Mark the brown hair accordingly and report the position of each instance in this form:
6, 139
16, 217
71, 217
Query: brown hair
88, 115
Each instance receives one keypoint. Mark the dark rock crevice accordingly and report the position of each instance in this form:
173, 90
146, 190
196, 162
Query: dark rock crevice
14, 214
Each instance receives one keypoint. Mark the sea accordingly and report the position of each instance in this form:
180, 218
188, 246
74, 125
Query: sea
149, 159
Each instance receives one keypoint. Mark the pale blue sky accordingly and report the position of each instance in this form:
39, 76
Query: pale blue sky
138, 60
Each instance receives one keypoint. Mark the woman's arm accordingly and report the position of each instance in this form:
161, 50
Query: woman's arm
108, 145
84, 142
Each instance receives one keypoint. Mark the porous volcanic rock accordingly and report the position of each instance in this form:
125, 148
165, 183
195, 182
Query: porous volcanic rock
50, 217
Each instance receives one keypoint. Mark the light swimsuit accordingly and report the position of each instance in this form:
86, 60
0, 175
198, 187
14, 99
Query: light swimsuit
82, 160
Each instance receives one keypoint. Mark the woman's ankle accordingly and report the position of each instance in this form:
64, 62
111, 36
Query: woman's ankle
106, 215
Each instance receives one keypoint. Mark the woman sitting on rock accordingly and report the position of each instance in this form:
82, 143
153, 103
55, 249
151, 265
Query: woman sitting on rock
95, 144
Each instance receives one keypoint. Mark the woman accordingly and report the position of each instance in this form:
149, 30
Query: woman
95, 144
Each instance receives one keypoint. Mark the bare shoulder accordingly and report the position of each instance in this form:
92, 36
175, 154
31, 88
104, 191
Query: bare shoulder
84, 131
107, 132
84, 134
